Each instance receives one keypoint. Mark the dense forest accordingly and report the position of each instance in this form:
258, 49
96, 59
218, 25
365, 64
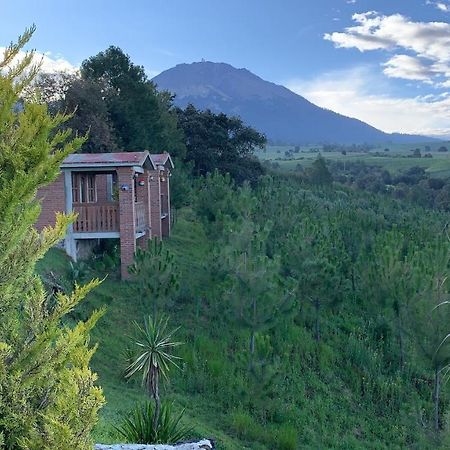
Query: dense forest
311, 314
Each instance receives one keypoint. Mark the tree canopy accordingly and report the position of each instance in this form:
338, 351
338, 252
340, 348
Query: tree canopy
217, 141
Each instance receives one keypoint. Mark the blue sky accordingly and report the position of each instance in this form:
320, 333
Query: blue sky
385, 62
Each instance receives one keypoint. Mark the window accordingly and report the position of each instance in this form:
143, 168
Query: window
84, 188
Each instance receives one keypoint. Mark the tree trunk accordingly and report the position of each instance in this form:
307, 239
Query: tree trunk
353, 279
436, 395
317, 307
252, 337
400, 341
252, 342
155, 395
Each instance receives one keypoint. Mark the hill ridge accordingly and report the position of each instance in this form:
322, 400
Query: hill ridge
283, 115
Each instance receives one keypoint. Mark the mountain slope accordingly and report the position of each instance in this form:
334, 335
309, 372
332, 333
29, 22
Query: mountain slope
281, 114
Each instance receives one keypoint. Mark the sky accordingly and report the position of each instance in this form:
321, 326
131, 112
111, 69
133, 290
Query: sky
386, 62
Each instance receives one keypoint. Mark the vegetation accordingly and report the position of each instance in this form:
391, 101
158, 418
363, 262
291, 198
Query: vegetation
48, 396
315, 314
344, 360
114, 100
140, 427
154, 360
154, 275
219, 142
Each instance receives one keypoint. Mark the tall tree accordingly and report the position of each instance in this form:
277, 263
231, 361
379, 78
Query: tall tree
142, 117
48, 397
319, 173
259, 296
86, 102
220, 142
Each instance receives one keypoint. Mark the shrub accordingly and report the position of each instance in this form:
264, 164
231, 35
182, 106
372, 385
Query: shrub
286, 438
137, 426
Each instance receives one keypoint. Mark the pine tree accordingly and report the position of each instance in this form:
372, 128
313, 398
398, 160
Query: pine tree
48, 397
259, 296
155, 275
429, 316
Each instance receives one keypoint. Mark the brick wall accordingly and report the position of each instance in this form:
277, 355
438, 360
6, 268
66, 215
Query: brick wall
155, 203
165, 204
127, 219
52, 200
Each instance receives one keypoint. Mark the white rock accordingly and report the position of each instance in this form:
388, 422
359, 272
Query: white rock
205, 444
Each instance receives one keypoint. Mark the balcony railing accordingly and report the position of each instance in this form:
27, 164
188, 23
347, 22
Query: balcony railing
96, 218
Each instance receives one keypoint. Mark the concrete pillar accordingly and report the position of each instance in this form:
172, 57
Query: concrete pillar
165, 192
69, 241
155, 203
127, 219
143, 195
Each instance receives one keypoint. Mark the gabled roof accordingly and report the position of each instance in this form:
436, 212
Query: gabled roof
98, 160
161, 159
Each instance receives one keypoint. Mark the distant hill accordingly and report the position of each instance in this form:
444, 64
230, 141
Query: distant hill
285, 117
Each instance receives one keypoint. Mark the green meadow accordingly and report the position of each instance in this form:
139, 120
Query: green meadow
397, 159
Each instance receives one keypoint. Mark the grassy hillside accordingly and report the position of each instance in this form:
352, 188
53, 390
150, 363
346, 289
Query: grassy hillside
113, 332
340, 393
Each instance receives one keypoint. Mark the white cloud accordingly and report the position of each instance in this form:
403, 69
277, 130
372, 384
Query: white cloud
441, 5
49, 63
428, 42
410, 68
346, 92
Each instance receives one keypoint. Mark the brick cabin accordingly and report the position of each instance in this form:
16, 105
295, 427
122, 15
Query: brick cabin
123, 196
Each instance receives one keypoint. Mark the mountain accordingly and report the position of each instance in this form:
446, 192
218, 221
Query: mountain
285, 117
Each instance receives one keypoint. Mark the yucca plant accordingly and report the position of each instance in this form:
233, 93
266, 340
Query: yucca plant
138, 426
156, 345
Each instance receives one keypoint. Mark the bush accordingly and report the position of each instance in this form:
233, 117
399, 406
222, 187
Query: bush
287, 438
137, 426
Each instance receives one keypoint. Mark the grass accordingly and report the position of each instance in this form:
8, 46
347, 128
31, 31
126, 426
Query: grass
395, 161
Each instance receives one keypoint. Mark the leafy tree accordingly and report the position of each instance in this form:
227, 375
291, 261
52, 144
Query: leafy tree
154, 274
319, 173
142, 117
181, 185
89, 111
156, 346
91, 115
48, 397
219, 142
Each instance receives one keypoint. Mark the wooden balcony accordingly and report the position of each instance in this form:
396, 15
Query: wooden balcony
96, 217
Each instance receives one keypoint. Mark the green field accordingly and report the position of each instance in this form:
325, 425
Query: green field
396, 161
